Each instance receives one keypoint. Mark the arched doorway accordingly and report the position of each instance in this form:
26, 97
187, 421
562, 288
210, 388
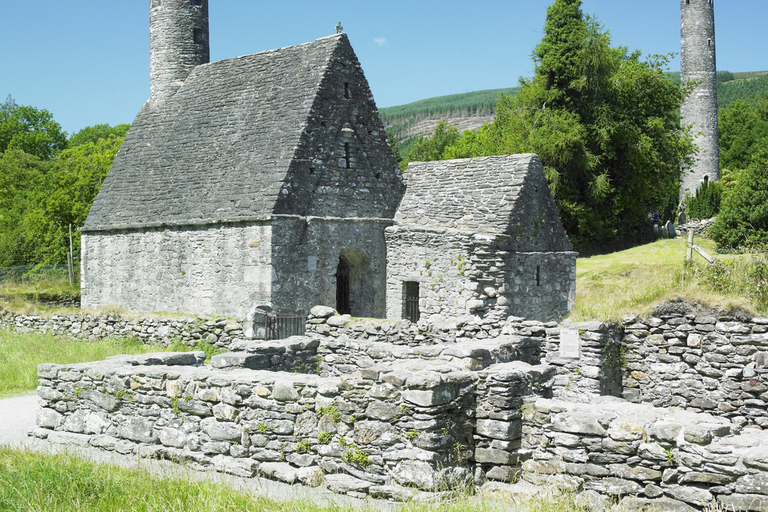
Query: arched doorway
354, 284
342, 287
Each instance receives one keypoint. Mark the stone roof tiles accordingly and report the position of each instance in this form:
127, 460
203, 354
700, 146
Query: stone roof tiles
505, 194
220, 148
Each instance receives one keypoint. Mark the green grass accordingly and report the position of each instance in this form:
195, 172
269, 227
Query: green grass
30, 293
31, 481
20, 353
62, 482
634, 281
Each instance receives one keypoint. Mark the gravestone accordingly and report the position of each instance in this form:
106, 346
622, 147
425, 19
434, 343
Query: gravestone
670, 229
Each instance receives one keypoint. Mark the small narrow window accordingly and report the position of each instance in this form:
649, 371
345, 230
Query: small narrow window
538, 275
411, 302
347, 92
198, 36
687, 2
709, 43
311, 170
346, 154
195, 2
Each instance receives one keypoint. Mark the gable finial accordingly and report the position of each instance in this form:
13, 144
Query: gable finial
339, 28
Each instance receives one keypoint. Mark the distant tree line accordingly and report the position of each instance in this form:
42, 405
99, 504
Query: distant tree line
48, 182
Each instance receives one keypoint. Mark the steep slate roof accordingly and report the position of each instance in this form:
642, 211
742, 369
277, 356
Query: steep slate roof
505, 194
219, 149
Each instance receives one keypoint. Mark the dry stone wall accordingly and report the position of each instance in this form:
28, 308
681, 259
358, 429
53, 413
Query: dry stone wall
647, 457
219, 331
700, 360
389, 408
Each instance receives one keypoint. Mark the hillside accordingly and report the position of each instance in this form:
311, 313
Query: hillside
465, 111
468, 111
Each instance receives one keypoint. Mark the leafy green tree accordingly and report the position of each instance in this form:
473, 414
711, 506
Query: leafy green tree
19, 172
64, 196
433, 147
743, 219
742, 131
31, 130
96, 132
604, 122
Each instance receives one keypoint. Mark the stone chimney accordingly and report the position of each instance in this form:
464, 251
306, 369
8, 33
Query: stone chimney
178, 41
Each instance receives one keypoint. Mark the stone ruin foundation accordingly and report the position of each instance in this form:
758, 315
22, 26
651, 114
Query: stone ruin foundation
389, 409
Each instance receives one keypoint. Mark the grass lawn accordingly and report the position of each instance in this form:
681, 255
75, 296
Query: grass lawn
34, 481
20, 353
636, 280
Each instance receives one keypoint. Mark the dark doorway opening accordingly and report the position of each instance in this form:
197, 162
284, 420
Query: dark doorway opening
342, 287
411, 303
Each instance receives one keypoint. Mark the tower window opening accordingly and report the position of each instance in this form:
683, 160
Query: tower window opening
709, 43
198, 36
346, 155
195, 2
347, 92
538, 275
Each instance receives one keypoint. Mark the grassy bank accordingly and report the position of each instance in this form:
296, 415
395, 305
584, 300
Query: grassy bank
20, 353
33, 481
636, 280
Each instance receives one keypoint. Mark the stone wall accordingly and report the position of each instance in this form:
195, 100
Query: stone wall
384, 432
611, 450
220, 331
305, 257
699, 359
218, 270
461, 274
389, 408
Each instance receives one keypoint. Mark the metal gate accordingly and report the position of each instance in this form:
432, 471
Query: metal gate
411, 307
283, 326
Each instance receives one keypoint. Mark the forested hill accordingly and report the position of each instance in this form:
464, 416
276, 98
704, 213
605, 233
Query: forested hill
464, 111
470, 110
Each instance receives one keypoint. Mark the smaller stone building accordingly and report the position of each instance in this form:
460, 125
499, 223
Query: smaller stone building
478, 236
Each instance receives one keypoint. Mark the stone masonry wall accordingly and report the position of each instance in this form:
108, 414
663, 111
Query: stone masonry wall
220, 331
389, 408
647, 458
460, 274
220, 270
701, 360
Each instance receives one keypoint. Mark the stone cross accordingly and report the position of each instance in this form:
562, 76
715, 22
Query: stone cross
339, 28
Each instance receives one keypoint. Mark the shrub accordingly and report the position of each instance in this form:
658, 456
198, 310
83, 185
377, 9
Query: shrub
706, 203
743, 219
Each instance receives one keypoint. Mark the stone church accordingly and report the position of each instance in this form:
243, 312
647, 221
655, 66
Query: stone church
267, 179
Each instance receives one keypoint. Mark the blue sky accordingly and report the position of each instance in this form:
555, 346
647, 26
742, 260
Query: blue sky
87, 61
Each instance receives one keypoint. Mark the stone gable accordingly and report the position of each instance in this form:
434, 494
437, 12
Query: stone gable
220, 149
499, 194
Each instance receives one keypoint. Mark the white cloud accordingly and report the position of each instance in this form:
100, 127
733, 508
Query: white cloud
381, 41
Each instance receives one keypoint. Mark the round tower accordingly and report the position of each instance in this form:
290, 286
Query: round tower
178, 41
697, 63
